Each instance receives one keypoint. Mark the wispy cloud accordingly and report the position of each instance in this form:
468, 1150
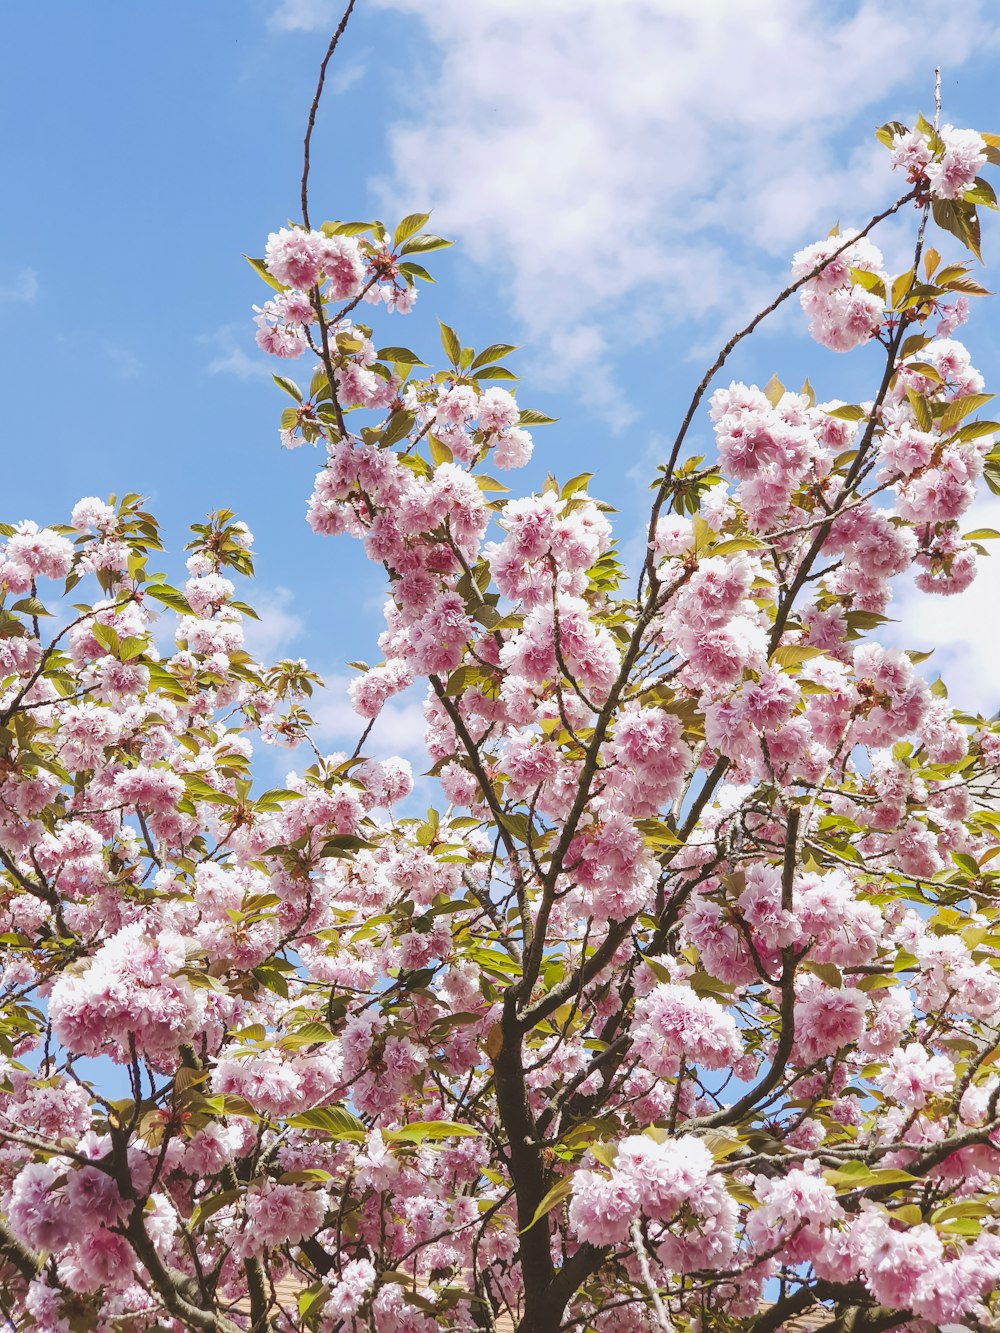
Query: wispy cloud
961, 629
231, 356
123, 361
274, 634
345, 78
21, 287
626, 164
303, 15
398, 730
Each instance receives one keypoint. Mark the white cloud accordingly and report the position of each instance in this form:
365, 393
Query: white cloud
122, 360
303, 15
272, 636
344, 79
398, 730
626, 163
231, 357
20, 288
962, 630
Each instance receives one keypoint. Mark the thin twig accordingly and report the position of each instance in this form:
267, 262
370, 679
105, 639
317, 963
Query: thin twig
639, 1245
315, 107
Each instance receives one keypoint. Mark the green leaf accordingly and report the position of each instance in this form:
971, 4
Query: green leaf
530, 417
967, 286
577, 483
309, 1034
794, 654
495, 352
131, 647
343, 844
960, 408
981, 192
199, 790
260, 268
871, 282
289, 386
959, 218
397, 427
887, 132
920, 408
400, 356
856, 1175
346, 228
450, 343
517, 824
312, 1299
30, 606
409, 226
440, 452
828, 972
428, 1130
309, 1176
849, 412
774, 391
332, 1120
415, 271
900, 287
107, 638
658, 834
494, 373
967, 863
732, 545
215, 1204
975, 430
170, 597
925, 369
275, 798
418, 245
562, 1189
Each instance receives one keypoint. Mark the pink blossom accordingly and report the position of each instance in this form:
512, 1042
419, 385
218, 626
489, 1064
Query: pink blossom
665, 1175
281, 1213
913, 1076
955, 171
292, 256
602, 1208
672, 1021
827, 1019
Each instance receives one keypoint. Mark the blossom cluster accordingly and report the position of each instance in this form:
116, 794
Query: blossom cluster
687, 994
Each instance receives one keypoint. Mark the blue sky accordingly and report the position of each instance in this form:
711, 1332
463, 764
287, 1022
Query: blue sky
626, 181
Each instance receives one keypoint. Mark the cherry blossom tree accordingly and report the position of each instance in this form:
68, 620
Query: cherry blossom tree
681, 1010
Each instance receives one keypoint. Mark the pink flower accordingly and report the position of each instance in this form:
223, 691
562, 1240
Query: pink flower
956, 170
843, 314
602, 1208
796, 1208
340, 260
512, 448
896, 1264
665, 1175
40, 1215
826, 1019
672, 1021
281, 1213
913, 1076
293, 256
497, 410
129, 989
